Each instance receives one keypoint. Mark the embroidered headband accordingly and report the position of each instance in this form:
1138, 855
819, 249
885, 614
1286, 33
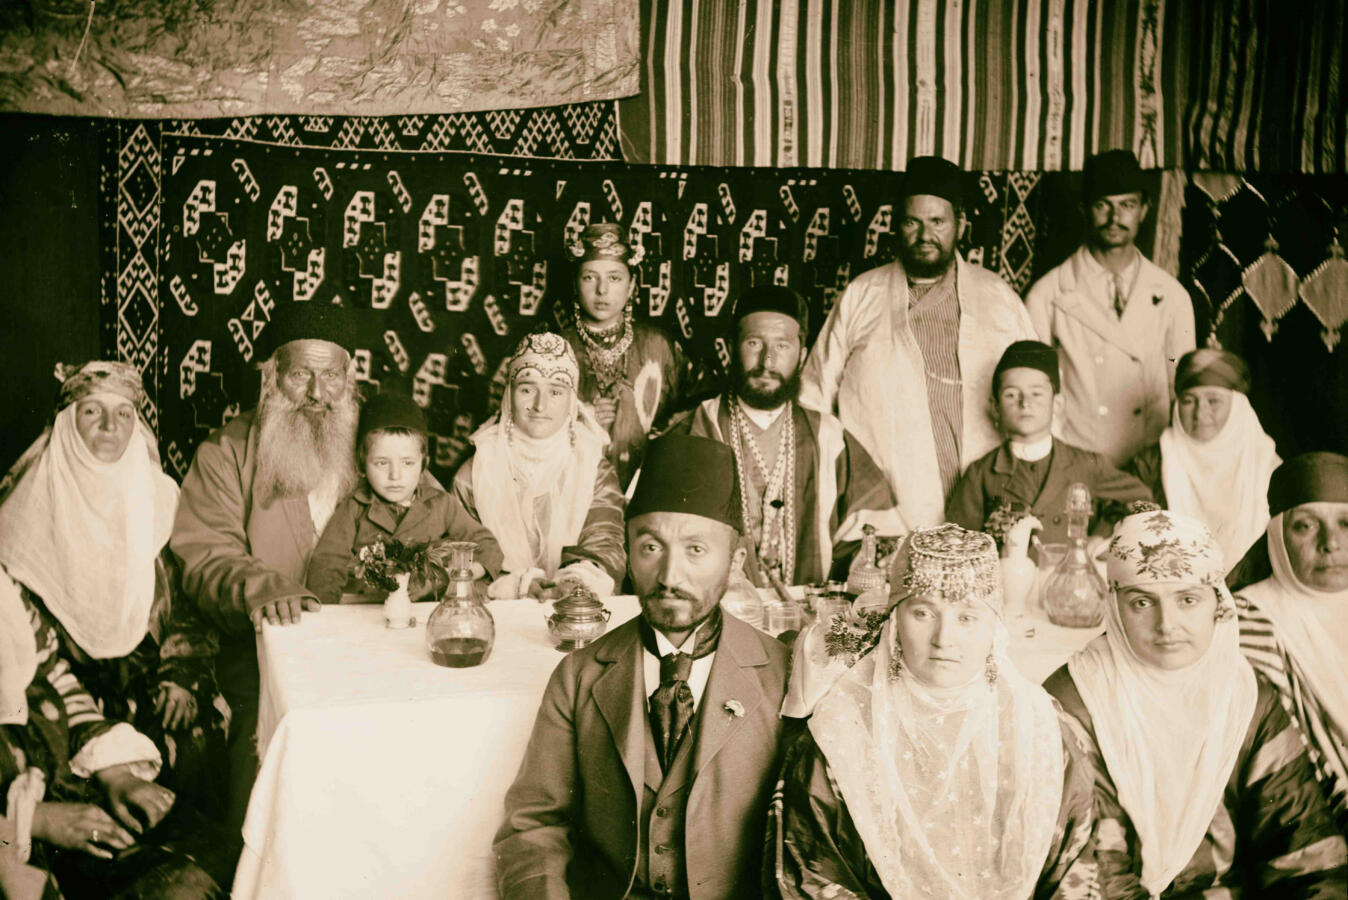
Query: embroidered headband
604, 240
960, 564
78, 382
547, 356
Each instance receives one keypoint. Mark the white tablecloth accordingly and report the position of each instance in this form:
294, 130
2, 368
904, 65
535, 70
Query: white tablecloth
384, 775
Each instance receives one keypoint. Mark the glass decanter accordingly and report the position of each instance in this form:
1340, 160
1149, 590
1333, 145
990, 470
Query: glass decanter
460, 631
741, 599
1074, 595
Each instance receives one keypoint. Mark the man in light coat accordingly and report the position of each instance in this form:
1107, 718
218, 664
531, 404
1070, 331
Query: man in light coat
650, 766
1120, 321
258, 495
905, 357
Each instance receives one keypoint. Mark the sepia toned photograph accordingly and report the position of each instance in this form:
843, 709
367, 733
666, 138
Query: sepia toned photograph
693, 449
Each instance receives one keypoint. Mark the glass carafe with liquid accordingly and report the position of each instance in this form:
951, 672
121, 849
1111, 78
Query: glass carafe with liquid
460, 631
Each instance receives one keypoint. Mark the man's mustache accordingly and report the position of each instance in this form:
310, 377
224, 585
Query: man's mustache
669, 593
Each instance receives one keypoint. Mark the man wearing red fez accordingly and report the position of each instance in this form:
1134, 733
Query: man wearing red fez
650, 767
258, 495
905, 357
1119, 320
806, 485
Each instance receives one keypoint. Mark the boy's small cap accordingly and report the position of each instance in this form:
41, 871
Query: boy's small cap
390, 410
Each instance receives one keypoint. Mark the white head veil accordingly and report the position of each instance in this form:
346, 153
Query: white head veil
1169, 738
83, 534
956, 792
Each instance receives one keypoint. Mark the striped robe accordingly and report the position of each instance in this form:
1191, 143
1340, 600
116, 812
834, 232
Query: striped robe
1325, 744
1273, 835
832, 500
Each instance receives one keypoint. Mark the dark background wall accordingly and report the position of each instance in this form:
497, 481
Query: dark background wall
49, 265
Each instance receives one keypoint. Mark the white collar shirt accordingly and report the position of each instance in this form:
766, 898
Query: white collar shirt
762, 418
697, 678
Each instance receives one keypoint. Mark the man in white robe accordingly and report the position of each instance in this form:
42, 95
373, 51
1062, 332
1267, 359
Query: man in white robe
905, 358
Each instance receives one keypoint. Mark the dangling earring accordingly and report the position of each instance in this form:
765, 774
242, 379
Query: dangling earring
571, 429
990, 670
896, 662
509, 427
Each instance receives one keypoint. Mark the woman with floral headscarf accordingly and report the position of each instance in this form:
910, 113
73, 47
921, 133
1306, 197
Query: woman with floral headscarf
86, 606
932, 768
1202, 782
630, 371
539, 481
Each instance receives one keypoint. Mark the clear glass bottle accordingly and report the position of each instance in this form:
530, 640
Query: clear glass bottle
741, 599
460, 632
865, 579
864, 575
1074, 595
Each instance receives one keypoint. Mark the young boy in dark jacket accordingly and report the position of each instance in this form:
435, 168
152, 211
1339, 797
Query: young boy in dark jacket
397, 498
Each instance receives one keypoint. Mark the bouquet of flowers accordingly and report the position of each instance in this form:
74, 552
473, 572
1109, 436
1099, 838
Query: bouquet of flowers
379, 563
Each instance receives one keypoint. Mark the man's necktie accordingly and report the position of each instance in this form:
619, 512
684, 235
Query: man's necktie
671, 709
1120, 295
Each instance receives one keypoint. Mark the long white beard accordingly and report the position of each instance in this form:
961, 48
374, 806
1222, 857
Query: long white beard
302, 451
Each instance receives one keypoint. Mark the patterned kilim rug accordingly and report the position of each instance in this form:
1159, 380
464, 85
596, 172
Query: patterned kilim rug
453, 256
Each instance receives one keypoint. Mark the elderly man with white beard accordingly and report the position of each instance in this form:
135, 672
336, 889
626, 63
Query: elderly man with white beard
257, 497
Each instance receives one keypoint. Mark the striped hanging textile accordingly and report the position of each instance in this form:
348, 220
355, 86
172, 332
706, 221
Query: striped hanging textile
1268, 88
992, 84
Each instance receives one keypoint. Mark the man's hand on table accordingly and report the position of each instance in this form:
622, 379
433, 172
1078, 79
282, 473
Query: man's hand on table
283, 612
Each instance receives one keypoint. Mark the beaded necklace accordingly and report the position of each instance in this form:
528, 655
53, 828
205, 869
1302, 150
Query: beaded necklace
605, 349
777, 546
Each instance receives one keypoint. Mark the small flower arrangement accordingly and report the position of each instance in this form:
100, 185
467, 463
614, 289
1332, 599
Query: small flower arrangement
735, 708
379, 563
1003, 519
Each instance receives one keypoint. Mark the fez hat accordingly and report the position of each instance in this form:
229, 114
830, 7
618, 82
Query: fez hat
774, 298
1112, 172
687, 474
935, 176
1029, 355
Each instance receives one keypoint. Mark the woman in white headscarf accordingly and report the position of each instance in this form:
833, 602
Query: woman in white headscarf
1294, 623
85, 516
1214, 460
1202, 780
932, 768
85, 604
539, 481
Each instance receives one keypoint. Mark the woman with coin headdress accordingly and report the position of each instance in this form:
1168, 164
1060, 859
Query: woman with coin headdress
539, 481
630, 371
932, 768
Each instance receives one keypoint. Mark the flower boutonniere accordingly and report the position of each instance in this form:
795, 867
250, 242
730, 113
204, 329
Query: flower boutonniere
735, 708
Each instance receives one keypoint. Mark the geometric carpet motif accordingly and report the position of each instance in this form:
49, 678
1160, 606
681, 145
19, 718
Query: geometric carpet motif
451, 257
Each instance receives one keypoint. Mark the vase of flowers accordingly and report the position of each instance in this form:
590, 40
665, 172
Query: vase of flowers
389, 566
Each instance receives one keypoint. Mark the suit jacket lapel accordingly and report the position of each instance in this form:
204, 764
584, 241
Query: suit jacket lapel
731, 679
619, 695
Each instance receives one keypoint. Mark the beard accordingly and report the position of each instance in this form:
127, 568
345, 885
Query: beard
787, 389
303, 448
921, 268
671, 620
